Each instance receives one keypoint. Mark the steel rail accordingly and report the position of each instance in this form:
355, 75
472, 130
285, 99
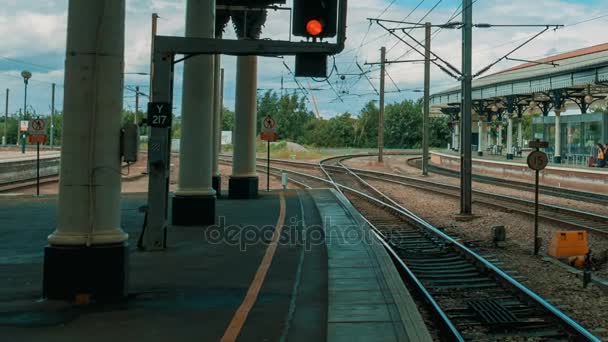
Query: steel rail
567, 216
565, 319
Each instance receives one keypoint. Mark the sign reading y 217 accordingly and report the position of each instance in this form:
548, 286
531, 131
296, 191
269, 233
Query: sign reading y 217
160, 114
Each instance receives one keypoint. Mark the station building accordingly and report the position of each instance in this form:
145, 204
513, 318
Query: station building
567, 92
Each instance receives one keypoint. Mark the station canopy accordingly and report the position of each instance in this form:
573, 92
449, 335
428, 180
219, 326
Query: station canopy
574, 79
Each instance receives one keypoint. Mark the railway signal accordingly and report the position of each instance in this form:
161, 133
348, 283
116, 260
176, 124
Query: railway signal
537, 161
315, 18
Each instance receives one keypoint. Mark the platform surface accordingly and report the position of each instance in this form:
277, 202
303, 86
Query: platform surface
502, 159
193, 290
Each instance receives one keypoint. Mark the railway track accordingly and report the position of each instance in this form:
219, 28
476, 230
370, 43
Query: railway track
471, 298
545, 190
576, 219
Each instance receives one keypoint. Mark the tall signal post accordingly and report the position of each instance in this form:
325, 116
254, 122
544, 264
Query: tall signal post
427, 100
381, 110
466, 108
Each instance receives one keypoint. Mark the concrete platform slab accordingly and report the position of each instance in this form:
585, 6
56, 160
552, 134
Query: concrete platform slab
313, 289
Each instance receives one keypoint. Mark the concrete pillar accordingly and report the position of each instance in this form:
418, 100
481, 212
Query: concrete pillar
244, 180
217, 124
558, 138
88, 252
194, 201
520, 138
510, 137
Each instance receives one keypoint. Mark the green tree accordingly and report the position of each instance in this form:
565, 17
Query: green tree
403, 124
288, 111
227, 119
366, 132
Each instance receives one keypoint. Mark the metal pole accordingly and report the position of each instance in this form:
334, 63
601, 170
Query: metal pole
6, 117
427, 103
466, 108
268, 169
38, 169
536, 244
136, 105
52, 114
25, 101
154, 30
23, 142
381, 111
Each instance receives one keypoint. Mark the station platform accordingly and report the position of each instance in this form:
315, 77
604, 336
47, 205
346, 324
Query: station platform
575, 177
294, 265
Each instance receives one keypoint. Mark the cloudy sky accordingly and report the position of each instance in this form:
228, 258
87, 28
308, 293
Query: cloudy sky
33, 35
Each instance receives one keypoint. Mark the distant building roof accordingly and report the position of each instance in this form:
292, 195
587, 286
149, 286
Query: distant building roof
561, 56
575, 69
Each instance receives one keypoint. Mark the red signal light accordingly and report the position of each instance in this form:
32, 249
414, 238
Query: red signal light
314, 27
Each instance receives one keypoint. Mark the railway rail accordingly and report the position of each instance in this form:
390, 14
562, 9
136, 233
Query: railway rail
471, 297
577, 219
544, 189
574, 218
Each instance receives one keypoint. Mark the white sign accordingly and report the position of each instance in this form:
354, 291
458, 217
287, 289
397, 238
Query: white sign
24, 125
269, 129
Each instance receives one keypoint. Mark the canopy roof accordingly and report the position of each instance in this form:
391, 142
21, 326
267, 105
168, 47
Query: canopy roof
579, 72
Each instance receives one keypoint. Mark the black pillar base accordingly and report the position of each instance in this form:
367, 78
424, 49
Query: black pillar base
217, 185
480, 153
557, 159
509, 156
243, 187
99, 271
193, 210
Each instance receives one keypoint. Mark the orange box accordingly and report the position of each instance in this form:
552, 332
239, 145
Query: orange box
569, 243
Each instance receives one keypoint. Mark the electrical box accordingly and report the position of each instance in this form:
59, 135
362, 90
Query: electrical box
129, 144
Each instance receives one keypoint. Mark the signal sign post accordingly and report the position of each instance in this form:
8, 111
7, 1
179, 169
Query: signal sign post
37, 130
537, 161
269, 133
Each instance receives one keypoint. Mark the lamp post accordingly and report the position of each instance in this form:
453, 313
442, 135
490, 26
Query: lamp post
26, 77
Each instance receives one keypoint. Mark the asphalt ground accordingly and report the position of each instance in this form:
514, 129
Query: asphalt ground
191, 291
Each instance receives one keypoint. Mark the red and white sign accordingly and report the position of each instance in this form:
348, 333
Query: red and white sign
24, 125
269, 129
37, 132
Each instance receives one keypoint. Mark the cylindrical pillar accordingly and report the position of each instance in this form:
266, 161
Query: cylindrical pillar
244, 180
558, 139
520, 138
217, 124
482, 136
510, 137
499, 138
88, 252
194, 201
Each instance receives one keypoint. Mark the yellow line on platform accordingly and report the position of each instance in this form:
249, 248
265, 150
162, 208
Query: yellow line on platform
239, 318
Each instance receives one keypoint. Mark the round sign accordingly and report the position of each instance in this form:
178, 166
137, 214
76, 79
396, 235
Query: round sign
269, 122
37, 125
537, 160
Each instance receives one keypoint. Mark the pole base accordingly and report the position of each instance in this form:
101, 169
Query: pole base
217, 185
480, 153
509, 156
557, 159
193, 210
243, 187
99, 271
